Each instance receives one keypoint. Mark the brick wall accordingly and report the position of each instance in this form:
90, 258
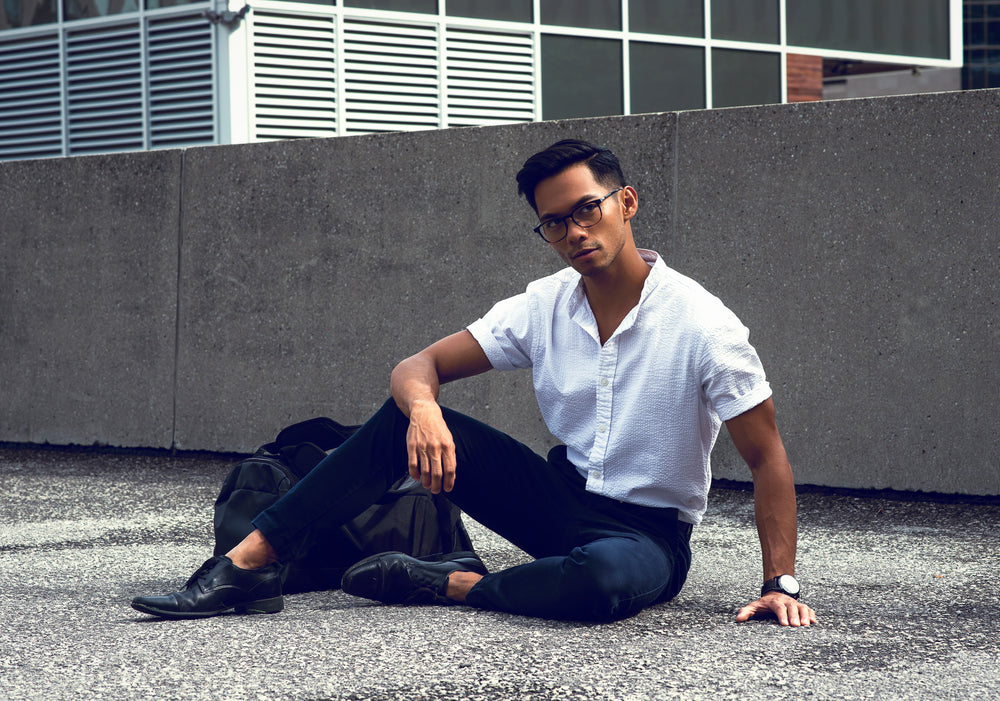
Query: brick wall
805, 78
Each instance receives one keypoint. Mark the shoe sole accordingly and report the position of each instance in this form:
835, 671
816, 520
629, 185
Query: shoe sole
273, 605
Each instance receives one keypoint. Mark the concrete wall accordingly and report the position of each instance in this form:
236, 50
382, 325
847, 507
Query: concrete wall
202, 299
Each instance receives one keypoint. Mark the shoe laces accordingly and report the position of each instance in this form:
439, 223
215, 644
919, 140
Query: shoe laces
202, 571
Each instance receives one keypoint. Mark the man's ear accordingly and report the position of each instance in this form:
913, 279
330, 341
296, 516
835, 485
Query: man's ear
630, 202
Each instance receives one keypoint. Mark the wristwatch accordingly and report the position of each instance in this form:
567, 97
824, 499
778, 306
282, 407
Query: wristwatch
786, 584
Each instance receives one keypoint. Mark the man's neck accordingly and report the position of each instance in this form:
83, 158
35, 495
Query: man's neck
613, 293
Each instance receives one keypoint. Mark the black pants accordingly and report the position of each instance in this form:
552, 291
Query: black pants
596, 558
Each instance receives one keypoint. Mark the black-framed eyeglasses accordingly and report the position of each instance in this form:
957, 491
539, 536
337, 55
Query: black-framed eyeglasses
583, 215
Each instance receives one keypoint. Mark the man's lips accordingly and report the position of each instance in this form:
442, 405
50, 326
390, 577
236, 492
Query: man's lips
583, 252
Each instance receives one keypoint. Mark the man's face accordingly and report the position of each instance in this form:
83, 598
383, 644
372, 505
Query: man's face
594, 249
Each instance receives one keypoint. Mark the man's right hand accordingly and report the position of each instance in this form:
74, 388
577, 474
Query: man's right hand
415, 381
430, 447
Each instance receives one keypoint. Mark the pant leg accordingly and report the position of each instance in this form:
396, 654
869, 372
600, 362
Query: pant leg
341, 486
491, 468
591, 566
613, 576
600, 559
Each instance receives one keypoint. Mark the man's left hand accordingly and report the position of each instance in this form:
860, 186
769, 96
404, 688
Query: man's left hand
787, 610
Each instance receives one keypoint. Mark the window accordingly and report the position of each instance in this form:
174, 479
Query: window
903, 27
593, 14
666, 78
159, 4
504, 10
745, 78
746, 20
82, 9
27, 13
426, 6
581, 77
678, 17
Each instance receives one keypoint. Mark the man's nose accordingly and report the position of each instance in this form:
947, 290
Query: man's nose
575, 232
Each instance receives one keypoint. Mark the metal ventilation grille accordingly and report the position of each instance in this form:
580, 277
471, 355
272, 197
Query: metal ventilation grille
30, 98
104, 89
392, 77
490, 77
181, 106
294, 76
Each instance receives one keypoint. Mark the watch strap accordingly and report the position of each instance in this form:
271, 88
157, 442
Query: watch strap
774, 584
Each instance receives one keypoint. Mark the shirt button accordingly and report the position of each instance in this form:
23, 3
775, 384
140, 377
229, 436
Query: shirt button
594, 474
604, 382
602, 429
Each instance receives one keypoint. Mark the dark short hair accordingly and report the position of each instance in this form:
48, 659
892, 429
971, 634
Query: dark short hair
559, 156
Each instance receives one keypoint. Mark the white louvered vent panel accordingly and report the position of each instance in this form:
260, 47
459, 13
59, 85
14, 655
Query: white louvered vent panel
490, 77
104, 87
294, 76
392, 77
30, 101
181, 108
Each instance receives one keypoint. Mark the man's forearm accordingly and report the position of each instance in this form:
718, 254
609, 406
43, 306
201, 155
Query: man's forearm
414, 379
775, 511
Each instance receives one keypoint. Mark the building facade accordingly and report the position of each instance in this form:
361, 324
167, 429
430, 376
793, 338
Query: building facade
982, 44
89, 76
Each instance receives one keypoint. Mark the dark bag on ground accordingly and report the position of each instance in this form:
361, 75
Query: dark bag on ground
408, 518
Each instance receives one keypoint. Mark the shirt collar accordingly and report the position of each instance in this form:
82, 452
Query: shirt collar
580, 311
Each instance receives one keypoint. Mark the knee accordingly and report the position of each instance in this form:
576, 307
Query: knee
605, 590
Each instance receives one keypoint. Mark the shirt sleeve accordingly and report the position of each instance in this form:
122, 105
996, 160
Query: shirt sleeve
505, 333
734, 380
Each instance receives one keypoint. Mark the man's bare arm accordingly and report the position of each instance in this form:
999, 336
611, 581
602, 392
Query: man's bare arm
756, 437
414, 384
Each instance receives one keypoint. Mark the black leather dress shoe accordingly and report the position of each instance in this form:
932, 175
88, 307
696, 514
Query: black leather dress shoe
395, 578
219, 586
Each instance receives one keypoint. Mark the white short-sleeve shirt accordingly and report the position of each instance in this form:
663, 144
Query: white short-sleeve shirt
640, 414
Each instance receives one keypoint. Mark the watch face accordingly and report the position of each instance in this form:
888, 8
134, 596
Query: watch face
788, 584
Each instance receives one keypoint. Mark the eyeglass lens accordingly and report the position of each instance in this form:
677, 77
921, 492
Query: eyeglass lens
586, 215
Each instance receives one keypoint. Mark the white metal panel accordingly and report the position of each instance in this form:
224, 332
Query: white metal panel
294, 82
30, 98
104, 86
181, 99
490, 77
392, 76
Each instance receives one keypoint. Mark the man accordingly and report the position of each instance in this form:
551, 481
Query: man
635, 368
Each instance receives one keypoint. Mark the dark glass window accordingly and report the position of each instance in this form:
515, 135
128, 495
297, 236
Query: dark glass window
746, 20
975, 33
82, 9
684, 18
27, 13
664, 78
506, 10
428, 7
993, 33
157, 4
745, 78
593, 14
973, 77
581, 77
904, 27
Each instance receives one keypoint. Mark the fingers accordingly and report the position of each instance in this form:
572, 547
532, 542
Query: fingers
796, 614
787, 610
437, 468
430, 452
745, 613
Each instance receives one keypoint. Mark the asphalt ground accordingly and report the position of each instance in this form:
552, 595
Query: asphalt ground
906, 591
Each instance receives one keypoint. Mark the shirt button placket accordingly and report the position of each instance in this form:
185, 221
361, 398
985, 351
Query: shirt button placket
602, 430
